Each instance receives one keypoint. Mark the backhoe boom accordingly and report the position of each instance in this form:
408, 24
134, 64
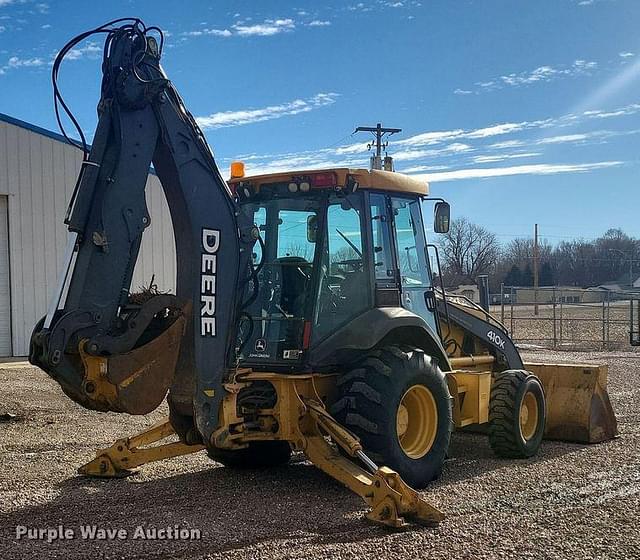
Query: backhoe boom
143, 121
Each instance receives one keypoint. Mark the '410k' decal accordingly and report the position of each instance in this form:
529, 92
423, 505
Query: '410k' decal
496, 339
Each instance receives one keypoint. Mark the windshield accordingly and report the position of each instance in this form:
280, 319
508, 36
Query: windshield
311, 275
288, 228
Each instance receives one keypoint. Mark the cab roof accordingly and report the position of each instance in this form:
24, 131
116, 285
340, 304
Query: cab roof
374, 179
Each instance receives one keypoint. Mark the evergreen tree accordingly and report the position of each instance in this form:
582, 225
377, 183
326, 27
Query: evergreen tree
546, 275
527, 276
513, 277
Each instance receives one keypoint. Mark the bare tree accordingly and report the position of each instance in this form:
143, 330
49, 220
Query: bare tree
519, 251
468, 250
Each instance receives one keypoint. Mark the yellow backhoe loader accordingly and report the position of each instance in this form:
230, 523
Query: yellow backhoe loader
304, 318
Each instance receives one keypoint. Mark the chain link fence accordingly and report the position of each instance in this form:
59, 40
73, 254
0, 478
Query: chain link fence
569, 318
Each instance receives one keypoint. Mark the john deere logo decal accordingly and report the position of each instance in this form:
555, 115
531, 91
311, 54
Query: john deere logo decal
261, 345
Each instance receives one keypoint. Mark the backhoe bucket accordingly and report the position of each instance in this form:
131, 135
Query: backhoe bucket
578, 406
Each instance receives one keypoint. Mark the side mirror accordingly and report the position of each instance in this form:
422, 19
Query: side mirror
442, 216
312, 228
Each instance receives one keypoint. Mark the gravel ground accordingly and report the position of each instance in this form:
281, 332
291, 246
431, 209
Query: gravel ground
572, 501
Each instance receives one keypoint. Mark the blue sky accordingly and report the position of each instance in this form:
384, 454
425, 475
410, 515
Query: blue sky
516, 112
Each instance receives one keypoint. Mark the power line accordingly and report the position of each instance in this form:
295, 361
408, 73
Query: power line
379, 132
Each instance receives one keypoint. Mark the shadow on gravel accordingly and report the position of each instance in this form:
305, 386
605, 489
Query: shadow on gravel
470, 455
233, 509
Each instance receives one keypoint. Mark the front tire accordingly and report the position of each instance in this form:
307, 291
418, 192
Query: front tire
517, 414
398, 404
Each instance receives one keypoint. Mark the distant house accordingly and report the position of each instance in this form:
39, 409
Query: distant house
624, 283
470, 291
561, 294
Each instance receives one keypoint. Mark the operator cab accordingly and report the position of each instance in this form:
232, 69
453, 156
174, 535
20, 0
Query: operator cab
333, 244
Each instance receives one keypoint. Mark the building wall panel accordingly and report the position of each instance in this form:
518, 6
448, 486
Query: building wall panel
5, 299
38, 174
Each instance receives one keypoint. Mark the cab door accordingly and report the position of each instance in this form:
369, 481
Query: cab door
411, 257
383, 263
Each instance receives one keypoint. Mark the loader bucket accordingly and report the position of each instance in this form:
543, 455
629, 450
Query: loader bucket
578, 406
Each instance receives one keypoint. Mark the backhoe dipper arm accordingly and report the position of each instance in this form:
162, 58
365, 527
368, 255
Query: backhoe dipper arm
107, 349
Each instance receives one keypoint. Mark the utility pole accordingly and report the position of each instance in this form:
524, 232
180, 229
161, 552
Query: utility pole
536, 257
379, 132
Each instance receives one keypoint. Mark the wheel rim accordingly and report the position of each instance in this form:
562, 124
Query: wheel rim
528, 415
417, 421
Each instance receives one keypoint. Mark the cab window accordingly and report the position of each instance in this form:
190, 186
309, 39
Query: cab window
410, 242
343, 283
381, 237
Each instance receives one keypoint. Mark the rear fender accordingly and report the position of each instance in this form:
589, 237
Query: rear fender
376, 327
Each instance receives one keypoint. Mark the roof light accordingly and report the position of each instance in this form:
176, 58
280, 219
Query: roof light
293, 187
305, 186
237, 169
323, 179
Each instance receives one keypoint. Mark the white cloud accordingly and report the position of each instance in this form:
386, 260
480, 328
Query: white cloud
359, 7
419, 168
16, 62
242, 28
319, 23
547, 73
432, 138
563, 139
461, 153
631, 109
357, 148
266, 28
247, 116
533, 169
502, 157
601, 135
507, 144
91, 49
409, 155
544, 73
439, 137
496, 130
626, 54
45, 26
206, 31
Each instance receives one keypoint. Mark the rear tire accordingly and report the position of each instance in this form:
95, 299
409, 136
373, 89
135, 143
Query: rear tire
258, 455
397, 403
517, 414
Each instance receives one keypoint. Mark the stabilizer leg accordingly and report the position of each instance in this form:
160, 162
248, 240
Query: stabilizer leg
126, 454
392, 501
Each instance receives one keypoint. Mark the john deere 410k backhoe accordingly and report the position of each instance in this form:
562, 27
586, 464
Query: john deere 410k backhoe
304, 316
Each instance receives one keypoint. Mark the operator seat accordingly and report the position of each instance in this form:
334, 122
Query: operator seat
295, 282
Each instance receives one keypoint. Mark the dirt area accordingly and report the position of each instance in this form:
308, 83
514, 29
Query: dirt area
572, 501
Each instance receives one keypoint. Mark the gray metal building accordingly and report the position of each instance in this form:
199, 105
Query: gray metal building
38, 170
